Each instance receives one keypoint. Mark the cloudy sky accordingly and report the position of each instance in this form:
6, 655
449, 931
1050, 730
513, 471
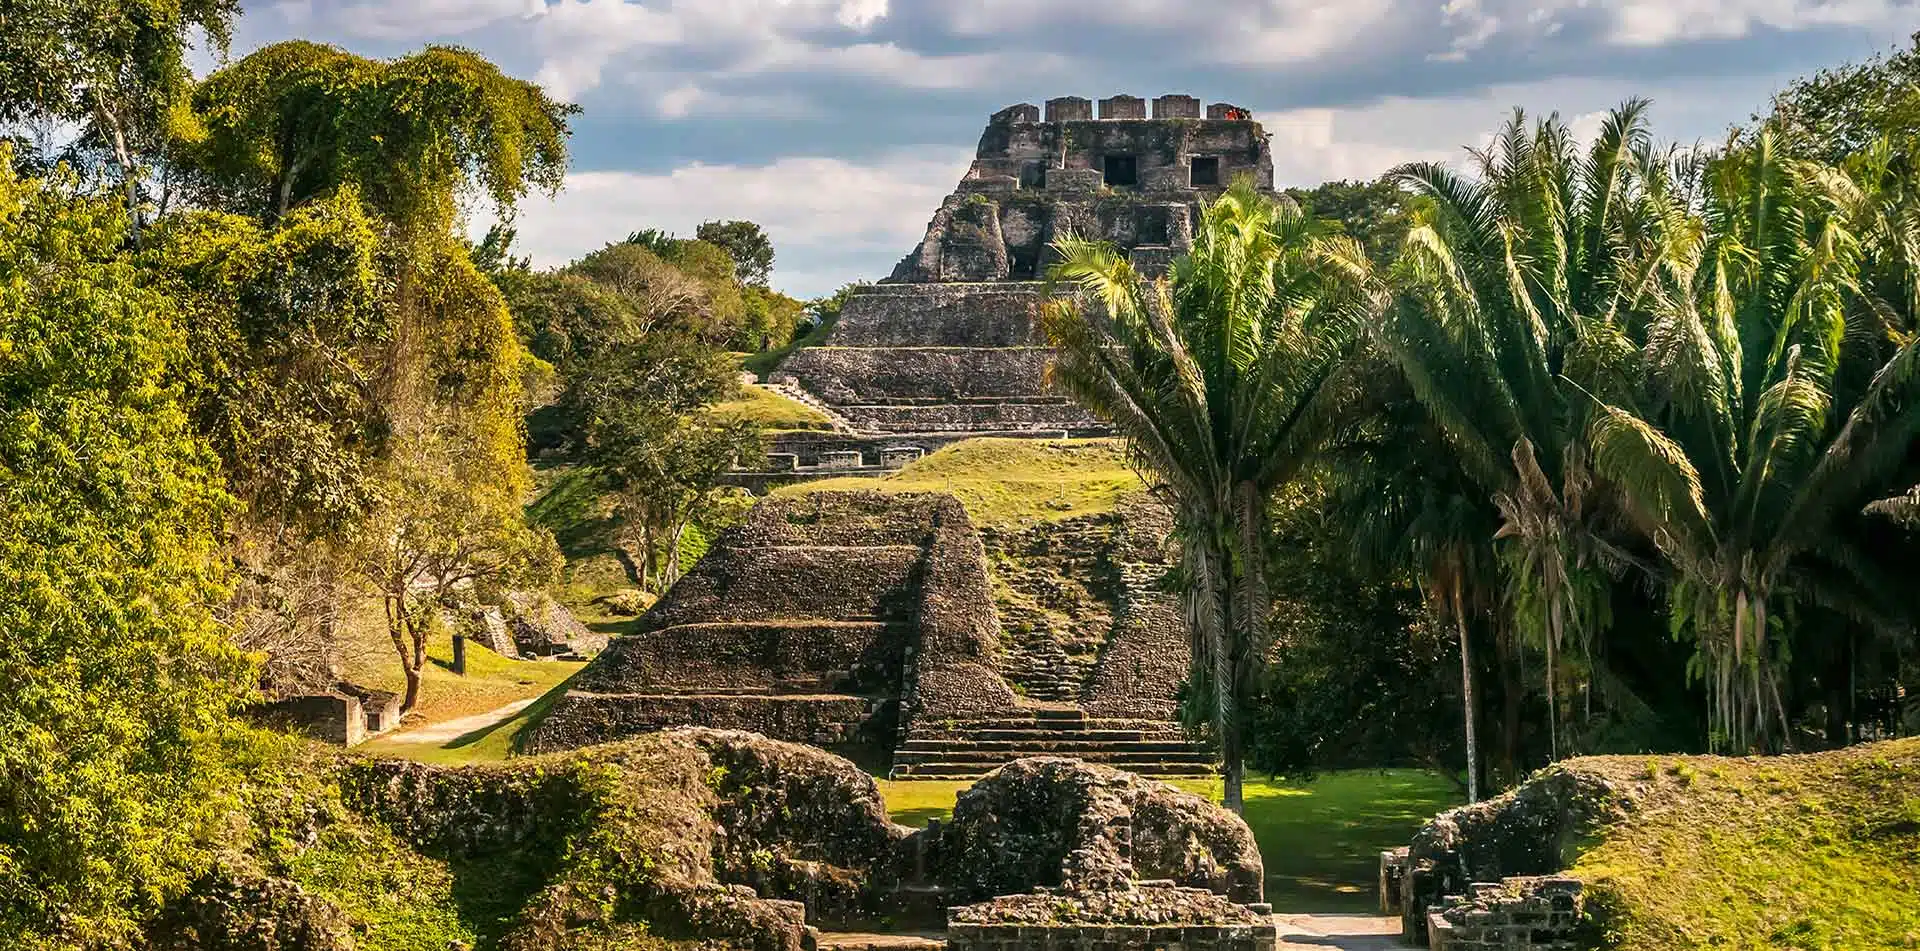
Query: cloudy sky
839, 124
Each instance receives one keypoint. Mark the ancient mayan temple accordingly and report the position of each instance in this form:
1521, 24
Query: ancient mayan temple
887, 627
947, 347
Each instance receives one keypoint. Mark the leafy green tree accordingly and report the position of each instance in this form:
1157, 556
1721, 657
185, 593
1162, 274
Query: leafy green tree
1224, 381
641, 426
1376, 213
114, 677
296, 121
1403, 509
114, 68
288, 326
567, 319
1776, 403
1844, 110
747, 244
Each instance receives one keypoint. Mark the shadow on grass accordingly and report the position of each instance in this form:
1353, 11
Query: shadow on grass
517, 723
1321, 840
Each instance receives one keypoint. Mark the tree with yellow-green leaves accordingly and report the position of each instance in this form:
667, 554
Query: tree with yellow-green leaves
115, 677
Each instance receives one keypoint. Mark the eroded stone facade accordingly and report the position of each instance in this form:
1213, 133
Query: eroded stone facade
949, 345
871, 624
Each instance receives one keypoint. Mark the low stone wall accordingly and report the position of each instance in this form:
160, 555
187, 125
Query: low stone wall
1046, 414
1112, 937
859, 727
940, 315
1519, 914
1153, 915
852, 376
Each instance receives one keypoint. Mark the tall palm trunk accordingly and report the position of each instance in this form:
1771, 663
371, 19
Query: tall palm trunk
1468, 710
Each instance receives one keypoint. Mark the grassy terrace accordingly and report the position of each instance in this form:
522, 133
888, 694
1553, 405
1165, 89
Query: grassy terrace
1007, 482
770, 410
1320, 840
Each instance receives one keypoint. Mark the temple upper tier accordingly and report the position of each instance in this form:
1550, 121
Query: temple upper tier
1130, 179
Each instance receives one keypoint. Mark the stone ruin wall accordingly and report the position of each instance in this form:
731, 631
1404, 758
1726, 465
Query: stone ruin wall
1083, 616
840, 619
823, 619
1034, 180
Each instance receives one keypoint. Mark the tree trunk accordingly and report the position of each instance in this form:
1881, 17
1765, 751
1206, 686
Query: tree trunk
124, 157
1225, 717
407, 643
673, 554
1466, 693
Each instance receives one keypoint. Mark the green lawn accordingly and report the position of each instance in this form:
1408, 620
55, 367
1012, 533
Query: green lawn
1320, 840
770, 410
1007, 483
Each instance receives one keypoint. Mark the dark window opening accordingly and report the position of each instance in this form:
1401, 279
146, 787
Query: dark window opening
1033, 175
1206, 171
1023, 264
1122, 170
1150, 227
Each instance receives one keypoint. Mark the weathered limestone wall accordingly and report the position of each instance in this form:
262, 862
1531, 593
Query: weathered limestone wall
853, 376
823, 619
1449, 877
1519, 914
895, 315
859, 728
740, 583
784, 656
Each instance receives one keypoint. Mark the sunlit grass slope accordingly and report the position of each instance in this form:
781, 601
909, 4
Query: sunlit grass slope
1008, 482
1811, 851
770, 410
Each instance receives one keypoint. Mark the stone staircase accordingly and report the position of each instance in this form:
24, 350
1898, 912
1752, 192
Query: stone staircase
963, 749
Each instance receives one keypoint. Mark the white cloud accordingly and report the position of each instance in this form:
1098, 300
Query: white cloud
1658, 22
1318, 145
820, 212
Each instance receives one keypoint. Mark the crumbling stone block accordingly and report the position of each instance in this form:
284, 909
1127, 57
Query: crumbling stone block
1123, 107
1176, 107
1069, 109
893, 457
840, 460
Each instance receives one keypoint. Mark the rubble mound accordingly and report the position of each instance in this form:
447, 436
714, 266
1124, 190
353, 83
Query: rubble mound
1067, 824
1808, 850
695, 835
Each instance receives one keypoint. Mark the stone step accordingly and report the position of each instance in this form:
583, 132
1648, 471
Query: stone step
1064, 747
1092, 754
1170, 735
959, 771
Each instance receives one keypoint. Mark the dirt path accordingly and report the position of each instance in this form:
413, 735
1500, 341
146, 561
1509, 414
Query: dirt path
1344, 932
446, 731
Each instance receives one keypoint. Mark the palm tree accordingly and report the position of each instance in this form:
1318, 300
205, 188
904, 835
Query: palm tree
1224, 379
1781, 396
1409, 512
1509, 281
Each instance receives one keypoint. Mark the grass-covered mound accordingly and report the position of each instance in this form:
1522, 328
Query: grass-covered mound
770, 410
1810, 851
1006, 483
